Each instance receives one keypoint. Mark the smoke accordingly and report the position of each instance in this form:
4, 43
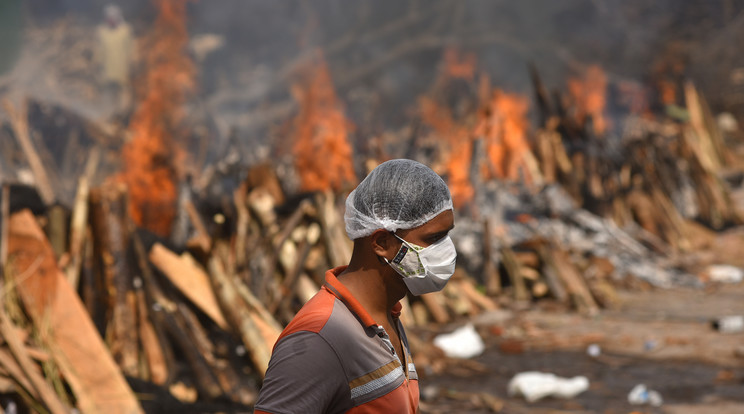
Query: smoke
383, 55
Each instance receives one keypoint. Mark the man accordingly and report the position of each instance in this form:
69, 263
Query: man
116, 55
346, 351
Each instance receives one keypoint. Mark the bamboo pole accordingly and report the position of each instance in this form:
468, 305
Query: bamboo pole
43, 389
79, 220
17, 375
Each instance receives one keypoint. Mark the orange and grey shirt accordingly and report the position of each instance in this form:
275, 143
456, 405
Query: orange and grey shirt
334, 358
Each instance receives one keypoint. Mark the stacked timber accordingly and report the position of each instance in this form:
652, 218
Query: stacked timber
199, 320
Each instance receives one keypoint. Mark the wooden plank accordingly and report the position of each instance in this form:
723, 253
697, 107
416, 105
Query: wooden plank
73, 340
191, 280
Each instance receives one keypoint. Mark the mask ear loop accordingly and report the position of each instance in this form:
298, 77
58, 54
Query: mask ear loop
383, 259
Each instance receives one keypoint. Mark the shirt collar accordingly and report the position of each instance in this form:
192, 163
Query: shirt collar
333, 285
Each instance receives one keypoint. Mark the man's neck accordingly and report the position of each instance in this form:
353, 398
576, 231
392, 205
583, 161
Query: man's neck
373, 290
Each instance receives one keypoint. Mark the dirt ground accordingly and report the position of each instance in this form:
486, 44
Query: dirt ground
661, 338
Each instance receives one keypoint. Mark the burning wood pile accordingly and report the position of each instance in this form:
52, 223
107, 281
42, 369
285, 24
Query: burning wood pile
148, 277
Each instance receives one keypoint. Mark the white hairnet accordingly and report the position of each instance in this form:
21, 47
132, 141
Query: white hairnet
398, 194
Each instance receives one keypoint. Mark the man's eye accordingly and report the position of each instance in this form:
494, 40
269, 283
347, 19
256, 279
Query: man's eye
436, 238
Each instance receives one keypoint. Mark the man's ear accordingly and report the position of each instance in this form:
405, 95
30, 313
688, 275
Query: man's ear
383, 243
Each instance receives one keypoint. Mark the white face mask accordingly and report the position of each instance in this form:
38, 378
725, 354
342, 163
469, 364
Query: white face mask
425, 269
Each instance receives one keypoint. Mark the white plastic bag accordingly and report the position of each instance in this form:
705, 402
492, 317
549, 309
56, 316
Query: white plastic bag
533, 385
641, 395
464, 342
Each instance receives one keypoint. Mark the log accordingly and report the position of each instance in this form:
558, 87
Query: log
468, 289
241, 227
179, 329
458, 303
225, 374
540, 289
305, 288
155, 305
57, 229
169, 318
264, 176
490, 272
240, 317
433, 302
527, 258
514, 270
262, 204
111, 231
190, 279
270, 328
202, 239
707, 141
573, 281
550, 272
19, 123
420, 314
337, 242
284, 295
73, 340
152, 347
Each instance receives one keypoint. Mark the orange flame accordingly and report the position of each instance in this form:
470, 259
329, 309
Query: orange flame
150, 155
503, 125
459, 144
589, 96
323, 155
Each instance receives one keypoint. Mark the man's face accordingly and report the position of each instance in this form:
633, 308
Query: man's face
430, 232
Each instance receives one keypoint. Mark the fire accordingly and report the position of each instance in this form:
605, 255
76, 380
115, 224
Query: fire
589, 96
501, 123
458, 143
323, 155
503, 126
150, 156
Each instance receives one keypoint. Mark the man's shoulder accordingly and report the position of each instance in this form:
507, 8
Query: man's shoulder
326, 316
313, 316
